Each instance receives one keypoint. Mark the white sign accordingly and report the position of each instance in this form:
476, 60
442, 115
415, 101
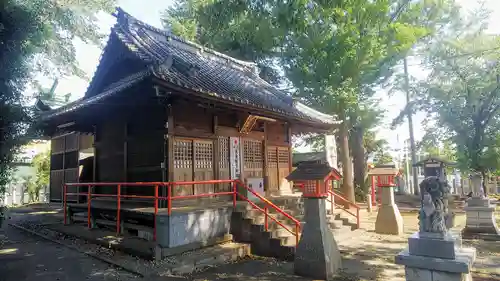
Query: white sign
257, 186
331, 151
235, 157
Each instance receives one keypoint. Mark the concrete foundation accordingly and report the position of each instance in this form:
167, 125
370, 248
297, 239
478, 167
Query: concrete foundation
183, 228
389, 219
317, 255
480, 219
436, 257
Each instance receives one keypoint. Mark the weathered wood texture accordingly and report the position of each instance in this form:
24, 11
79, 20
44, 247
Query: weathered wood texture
64, 165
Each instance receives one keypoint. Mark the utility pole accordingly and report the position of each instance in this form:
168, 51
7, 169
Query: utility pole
410, 127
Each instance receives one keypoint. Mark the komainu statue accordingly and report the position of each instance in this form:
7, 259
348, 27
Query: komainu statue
434, 196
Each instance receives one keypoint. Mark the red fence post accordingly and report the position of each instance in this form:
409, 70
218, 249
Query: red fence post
118, 205
235, 190
297, 235
156, 212
374, 199
65, 204
169, 198
89, 197
357, 218
266, 225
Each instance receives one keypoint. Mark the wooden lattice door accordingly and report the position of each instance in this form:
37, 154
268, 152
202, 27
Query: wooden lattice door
224, 172
183, 165
278, 165
203, 165
283, 163
252, 159
272, 168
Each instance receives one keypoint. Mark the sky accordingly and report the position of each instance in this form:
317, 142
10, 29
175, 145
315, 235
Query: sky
88, 59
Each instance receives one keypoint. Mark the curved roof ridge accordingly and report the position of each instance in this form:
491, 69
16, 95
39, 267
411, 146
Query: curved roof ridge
124, 18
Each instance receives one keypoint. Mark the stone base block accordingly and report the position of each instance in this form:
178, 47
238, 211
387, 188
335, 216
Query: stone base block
389, 220
450, 220
480, 219
317, 255
419, 268
432, 245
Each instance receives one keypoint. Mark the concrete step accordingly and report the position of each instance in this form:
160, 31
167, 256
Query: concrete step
208, 257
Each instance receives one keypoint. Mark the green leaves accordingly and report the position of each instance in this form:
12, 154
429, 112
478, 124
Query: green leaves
36, 37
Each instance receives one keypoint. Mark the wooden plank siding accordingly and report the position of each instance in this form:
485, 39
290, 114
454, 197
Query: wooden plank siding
64, 166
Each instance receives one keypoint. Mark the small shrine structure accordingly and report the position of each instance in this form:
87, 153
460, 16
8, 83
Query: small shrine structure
389, 219
317, 255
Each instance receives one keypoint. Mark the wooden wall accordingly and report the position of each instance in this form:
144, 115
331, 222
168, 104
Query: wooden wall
192, 142
64, 165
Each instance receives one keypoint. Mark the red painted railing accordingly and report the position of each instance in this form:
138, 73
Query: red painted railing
234, 192
331, 198
334, 195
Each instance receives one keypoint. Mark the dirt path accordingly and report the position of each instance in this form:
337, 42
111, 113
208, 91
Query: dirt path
369, 256
30, 258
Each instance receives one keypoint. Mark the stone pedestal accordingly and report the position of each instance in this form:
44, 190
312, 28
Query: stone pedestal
450, 217
436, 257
389, 220
317, 255
480, 219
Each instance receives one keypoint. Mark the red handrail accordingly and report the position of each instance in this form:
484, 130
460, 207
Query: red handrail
334, 195
276, 208
169, 198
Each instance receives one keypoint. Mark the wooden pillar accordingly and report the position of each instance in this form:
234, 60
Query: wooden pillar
289, 133
94, 148
265, 164
168, 160
216, 153
125, 155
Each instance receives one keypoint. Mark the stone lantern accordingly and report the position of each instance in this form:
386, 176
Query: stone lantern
480, 214
317, 255
389, 219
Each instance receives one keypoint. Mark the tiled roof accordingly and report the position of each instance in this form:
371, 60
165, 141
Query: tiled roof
311, 171
112, 90
207, 72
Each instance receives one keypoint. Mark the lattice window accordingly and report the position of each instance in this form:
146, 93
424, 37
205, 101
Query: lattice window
309, 187
283, 156
272, 157
203, 155
252, 153
224, 152
183, 154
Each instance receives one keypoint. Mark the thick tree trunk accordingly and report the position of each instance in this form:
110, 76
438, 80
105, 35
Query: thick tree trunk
358, 156
345, 158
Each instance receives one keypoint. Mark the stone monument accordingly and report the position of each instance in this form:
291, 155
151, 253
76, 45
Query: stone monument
436, 167
389, 219
435, 254
317, 255
480, 214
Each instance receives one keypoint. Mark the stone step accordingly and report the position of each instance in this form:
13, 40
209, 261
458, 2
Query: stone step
208, 257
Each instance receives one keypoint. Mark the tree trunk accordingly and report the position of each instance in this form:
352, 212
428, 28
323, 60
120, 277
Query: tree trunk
358, 156
345, 158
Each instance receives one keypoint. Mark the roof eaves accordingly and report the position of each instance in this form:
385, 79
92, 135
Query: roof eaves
317, 115
84, 102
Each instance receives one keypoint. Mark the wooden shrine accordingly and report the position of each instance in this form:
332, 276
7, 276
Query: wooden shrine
315, 178
434, 166
162, 109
